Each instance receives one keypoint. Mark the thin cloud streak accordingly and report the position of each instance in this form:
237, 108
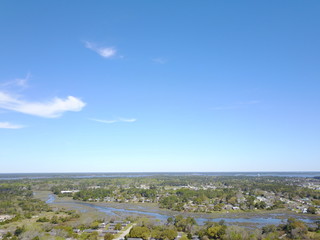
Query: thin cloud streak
18, 82
103, 121
105, 52
51, 109
127, 120
8, 125
159, 60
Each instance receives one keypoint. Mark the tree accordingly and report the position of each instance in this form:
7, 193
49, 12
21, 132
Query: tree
170, 220
54, 220
260, 205
169, 234
184, 237
108, 236
238, 233
250, 201
269, 229
156, 233
295, 229
118, 226
312, 210
139, 232
218, 207
93, 236
19, 230
184, 224
216, 232
8, 235
94, 225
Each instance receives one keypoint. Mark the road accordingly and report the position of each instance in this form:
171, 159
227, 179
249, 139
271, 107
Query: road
124, 233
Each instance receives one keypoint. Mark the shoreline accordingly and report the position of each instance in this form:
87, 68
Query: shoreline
152, 211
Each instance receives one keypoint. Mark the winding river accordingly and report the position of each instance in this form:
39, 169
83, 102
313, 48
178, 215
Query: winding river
162, 215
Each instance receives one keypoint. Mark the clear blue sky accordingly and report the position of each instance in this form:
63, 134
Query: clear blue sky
109, 86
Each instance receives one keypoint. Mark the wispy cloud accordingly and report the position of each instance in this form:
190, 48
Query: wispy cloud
127, 120
103, 121
159, 60
237, 105
18, 82
49, 109
10, 125
106, 52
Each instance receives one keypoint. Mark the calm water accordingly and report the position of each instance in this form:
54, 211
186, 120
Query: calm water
17, 176
111, 211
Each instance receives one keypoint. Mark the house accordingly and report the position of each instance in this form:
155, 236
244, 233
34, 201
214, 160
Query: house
69, 191
102, 225
179, 235
195, 237
228, 207
112, 231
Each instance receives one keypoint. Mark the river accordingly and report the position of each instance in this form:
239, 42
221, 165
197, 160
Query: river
257, 220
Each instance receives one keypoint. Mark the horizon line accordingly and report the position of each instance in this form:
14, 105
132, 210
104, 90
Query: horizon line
287, 171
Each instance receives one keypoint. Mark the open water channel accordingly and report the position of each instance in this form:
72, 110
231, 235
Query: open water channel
163, 215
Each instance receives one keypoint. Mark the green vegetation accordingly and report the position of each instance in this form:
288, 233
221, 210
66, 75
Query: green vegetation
26, 217
16, 200
292, 229
197, 193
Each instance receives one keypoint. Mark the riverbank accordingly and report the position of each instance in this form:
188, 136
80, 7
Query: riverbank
252, 219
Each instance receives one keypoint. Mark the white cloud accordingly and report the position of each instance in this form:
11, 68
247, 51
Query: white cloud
106, 52
51, 109
10, 125
128, 120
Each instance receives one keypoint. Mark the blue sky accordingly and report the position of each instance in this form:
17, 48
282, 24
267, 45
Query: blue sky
133, 86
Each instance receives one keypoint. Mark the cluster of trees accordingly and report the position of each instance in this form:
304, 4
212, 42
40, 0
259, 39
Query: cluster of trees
278, 185
87, 194
147, 193
292, 229
146, 230
157, 232
58, 219
101, 193
178, 198
213, 230
17, 199
15, 235
225, 190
